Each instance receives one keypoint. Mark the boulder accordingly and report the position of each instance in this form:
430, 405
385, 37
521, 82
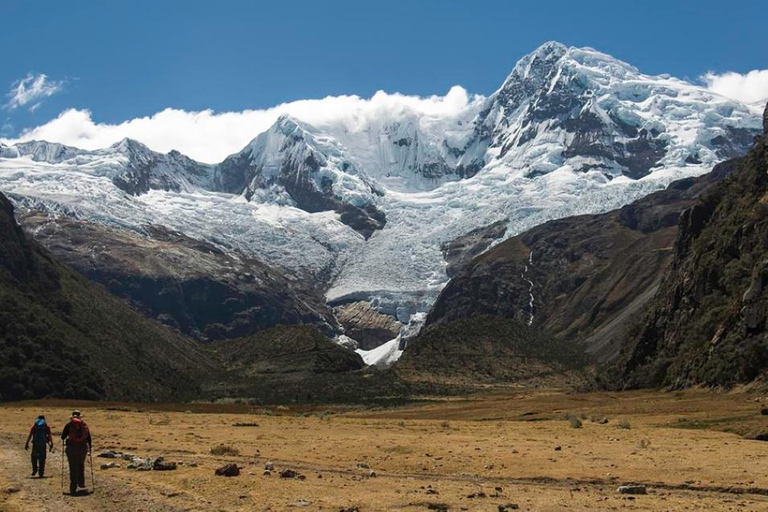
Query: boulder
632, 489
228, 470
161, 465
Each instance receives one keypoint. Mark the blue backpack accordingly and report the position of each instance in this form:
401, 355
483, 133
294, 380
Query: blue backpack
39, 434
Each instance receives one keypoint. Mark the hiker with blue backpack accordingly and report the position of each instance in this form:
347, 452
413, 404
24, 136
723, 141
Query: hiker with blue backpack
78, 439
40, 435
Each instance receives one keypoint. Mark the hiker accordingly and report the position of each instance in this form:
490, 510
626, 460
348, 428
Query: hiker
40, 435
78, 439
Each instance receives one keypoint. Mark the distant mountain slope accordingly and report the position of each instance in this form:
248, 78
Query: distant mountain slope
190, 285
707, 323
578, 278
63, 336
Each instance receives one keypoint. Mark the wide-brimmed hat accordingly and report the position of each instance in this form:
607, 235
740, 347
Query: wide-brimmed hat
76, 413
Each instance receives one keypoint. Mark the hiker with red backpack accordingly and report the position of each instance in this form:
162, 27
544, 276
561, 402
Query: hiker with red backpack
78, 440
40, 435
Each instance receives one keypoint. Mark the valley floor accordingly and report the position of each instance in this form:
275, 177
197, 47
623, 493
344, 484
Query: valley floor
473, 453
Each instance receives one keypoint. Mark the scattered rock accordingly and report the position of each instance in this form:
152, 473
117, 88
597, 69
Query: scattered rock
432, 491
109, 454
192, 464
442, 507
110, 465
267, 472
13, 489
478, 494
301, 503
269, 466
764, 411
228, 470
350, 509
161, 465
288, 473
372, 474
558, 448
632, 489
509, 506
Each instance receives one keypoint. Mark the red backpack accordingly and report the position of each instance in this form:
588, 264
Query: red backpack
78, 431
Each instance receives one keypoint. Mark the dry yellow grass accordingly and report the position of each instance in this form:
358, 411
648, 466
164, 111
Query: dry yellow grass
438, 453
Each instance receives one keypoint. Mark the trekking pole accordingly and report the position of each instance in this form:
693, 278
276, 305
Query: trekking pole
93, 482
61, 474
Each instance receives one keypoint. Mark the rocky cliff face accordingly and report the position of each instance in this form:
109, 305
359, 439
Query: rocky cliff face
578, 278
289, 162
189, 285
707, 323
367, 326
460, 251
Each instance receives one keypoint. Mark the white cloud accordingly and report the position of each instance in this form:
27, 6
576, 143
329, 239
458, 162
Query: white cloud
210, 137
748, 88
32, 89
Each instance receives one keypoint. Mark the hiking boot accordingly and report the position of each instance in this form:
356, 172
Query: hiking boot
72, 490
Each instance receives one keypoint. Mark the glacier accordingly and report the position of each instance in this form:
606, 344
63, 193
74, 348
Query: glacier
570, 131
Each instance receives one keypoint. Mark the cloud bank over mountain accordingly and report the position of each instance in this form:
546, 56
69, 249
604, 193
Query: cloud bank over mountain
210, 136
748, 88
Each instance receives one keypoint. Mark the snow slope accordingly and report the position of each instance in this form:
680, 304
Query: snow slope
570, 131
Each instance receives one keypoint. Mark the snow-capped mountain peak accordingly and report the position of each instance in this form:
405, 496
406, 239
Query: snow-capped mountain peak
570, 131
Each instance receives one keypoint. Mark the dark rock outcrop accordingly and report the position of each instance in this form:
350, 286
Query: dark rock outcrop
765, 120
147, 170
459, 252
364, 324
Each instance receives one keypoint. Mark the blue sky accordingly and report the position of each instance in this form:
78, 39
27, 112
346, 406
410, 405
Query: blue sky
122, 60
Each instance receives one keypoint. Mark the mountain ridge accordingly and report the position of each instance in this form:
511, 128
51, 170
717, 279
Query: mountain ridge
364, 204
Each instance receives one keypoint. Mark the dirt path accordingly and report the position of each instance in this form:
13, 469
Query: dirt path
21, 492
